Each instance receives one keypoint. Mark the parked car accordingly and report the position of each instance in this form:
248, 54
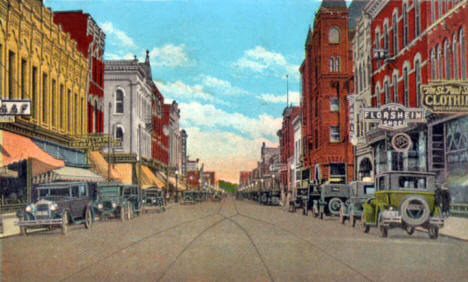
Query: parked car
360, 192
58, 205
188, 197
110, 202
134, 196
404, 200
300, 201
332, 197
154, 197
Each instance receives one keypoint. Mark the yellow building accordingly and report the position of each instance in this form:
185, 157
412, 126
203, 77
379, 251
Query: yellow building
40, 62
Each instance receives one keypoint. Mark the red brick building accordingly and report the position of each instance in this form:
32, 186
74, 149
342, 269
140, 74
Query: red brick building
244, 178
326, 82
286, 139
160, 140
208, 178
90, 38
193, 178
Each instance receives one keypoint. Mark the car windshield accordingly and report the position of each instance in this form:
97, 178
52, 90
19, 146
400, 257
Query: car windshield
109, 191
412, 182
54, 192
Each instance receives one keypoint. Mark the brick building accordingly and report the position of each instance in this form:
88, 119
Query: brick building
90, 42
326, 82
244, 178
160, 141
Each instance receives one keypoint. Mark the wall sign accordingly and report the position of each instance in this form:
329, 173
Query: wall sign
393, 116
401, 142
95, 141
11, 108
445, 97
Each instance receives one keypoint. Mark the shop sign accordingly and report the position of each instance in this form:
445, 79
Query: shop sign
393, 116
445, 97
95, 141
11, 108
401, 142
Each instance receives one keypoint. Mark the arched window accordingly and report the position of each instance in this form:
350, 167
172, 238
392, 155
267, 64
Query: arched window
95, 117
406, 86
439, 11
405, 25
433, 65
119, 133
386, 37
455, 56
395, 33
462, 53
387, 91
445, 5
439, 62
417, 70
360, 79
334, 35
377, 94
432, 11
119, 101
395, 87
337, 64
417, 20
332, 64
448, 74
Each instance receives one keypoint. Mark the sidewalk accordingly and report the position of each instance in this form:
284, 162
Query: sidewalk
456, 227
9, 227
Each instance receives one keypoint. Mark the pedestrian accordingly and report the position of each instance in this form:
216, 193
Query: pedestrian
445, 200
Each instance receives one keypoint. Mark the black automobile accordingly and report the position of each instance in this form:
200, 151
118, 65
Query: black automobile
154, 197
300, 201
111, 203
57, 205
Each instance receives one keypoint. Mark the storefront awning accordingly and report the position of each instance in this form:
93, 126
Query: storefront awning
149, 179
125, 171
16, 148
101, 166
181, 186
68, 174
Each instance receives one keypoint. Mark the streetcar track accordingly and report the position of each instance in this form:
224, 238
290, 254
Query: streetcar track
138, 242
310, 243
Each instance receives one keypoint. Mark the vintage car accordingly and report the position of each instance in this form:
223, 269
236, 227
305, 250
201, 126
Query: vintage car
117, 200
332, 197
154, 197
300, 201
360, 192
314, 199
275, 198
188, 197
405, 200
58, 204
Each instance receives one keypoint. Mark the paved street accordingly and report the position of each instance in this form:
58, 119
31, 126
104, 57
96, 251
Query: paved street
230, 241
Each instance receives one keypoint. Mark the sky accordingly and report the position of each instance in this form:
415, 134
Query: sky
224, 61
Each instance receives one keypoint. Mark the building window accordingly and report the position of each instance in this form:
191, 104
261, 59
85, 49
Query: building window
316, 137
54, 103
69, 115
432, 11
377, 45
24, 67
62, 104
334, 104
386, 37
439, 62
337, 64
34, 92
316, 106
11, 74
417, 69
334, 35
332, 64
448, 73
377, 94
334, 134
387, 91
337, 173
405, 25
433, 65
95, 115
406, 86
119, 101
45, 98
455, 57
395, 33
395, 87
76, 112
439, 11
417, 17
462, 53
119, 133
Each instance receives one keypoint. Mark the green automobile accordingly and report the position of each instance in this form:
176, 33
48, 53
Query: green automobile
110, 202
404, 200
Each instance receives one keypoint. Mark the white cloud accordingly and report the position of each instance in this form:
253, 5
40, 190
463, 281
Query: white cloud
222, 87
169, 55
261, 61
225, 152
294, 98
180, 91
207, 115
112, 56
120, 35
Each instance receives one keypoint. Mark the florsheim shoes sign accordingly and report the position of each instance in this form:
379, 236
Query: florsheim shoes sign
445, 97
393, 116
11, 108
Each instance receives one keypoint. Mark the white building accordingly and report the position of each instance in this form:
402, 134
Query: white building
297, 159
128, 95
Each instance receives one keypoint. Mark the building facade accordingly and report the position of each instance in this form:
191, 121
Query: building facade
183, 151
171, 122
297, 163
160, 151
326, 75
90, 42
128, 94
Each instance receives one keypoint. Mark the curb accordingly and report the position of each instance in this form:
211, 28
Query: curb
444, 235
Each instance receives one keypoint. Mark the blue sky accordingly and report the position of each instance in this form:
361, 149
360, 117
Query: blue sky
224, 62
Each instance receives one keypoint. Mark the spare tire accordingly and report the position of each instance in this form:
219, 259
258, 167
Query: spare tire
414, 210
334, 206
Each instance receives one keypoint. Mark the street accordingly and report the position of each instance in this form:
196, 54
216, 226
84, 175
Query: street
230, 241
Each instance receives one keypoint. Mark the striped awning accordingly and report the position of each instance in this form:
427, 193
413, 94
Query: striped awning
68, 174
149, 179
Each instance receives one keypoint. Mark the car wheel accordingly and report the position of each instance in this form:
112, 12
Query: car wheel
433, 232
334, 206
363, 225
88, 218
352, 219
409, 230
64, 223
382, 230
122, 213
342, 217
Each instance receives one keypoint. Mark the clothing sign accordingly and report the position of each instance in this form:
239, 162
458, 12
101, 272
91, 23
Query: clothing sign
445, 97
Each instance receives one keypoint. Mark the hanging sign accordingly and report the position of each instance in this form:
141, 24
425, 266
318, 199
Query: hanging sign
393, 116
401, 142
445, 97
11, 108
